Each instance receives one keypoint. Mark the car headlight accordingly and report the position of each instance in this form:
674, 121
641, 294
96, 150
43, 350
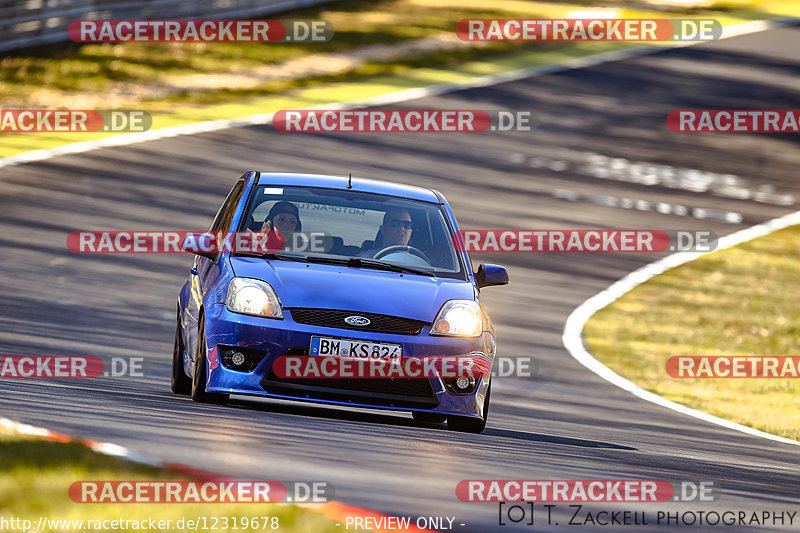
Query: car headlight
252, 297
459, 318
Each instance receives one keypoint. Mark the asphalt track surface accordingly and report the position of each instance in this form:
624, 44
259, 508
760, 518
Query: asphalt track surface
564, 424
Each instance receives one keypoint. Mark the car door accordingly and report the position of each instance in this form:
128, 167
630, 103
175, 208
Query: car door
205, 272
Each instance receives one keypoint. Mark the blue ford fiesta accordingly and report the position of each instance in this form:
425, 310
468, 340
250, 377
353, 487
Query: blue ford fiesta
352, 268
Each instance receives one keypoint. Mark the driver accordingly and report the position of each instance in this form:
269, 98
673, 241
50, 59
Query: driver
395, 230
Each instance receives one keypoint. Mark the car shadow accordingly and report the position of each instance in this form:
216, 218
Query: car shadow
334, 412
554, 439
329, 412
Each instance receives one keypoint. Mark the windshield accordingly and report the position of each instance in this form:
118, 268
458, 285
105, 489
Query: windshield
325, 224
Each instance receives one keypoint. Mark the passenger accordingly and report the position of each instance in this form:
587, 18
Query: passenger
281, 223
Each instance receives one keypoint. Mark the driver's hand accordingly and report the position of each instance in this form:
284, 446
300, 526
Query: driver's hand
274, 240
264, 228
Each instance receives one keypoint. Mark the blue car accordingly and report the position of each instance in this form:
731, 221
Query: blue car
343, 268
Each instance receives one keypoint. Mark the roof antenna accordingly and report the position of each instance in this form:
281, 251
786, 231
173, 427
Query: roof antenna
350, 181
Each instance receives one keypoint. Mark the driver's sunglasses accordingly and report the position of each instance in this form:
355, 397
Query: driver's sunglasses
407, 224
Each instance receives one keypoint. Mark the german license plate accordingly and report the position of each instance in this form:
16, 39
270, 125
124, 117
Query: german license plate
354, 348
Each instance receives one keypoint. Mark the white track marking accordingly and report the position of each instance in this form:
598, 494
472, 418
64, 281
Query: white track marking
664, 208
619, 169
572, 337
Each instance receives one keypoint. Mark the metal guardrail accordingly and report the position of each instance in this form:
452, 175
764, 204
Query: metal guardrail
25, 23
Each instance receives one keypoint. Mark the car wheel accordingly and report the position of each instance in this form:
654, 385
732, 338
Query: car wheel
200, 377
428, 418
181, 383
469, 424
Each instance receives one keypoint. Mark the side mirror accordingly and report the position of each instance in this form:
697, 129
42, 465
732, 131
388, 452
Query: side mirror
204, 244
491, 275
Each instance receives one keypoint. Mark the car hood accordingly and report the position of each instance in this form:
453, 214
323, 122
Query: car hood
354, 289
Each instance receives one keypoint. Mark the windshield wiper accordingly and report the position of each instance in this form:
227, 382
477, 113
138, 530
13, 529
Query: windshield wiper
355, 262
283, 256
358, 262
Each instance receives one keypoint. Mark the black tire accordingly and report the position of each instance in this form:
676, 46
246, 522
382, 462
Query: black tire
181, 383
428, 418
200, 377
469, 424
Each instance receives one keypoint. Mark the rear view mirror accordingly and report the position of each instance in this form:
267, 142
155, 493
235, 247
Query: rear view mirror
491, 275
203, 244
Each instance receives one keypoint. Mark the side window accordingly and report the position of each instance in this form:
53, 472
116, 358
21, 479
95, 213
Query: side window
222, 221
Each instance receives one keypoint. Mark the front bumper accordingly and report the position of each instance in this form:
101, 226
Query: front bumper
286, 337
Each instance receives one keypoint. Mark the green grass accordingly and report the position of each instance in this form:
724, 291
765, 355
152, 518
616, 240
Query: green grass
35, 476
739, 301
95, 69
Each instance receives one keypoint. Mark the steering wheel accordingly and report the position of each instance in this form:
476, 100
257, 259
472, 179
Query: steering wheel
395, 248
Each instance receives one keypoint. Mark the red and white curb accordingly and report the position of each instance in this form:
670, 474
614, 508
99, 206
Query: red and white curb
573, 340
332, 510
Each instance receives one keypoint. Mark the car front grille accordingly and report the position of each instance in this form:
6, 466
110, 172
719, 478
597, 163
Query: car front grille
410, 393
334, 318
